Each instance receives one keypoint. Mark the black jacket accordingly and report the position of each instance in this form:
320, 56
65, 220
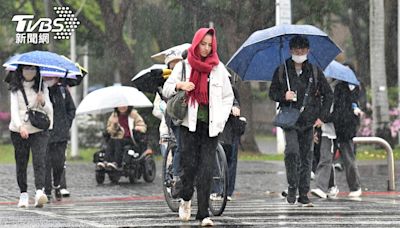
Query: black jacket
320, 96
229, 133
64, 113
343, 118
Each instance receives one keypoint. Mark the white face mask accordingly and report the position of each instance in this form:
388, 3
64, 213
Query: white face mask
299, 58
352, 87
28, 74
51, 82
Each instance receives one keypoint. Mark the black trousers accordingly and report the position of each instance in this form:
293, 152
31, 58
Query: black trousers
197, 161
115, 149
298, 159
55, 160
63, 181
37, 142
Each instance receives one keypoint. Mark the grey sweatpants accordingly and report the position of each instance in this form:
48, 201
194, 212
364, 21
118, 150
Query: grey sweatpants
325, 169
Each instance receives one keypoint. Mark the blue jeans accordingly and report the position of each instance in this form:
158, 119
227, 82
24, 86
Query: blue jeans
231, 152
177, 170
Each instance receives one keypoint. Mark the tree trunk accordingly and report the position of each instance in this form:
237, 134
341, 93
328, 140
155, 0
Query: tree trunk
246, 109
391, 40
380, 103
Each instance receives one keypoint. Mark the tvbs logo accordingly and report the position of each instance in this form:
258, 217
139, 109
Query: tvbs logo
25, 24
62, 26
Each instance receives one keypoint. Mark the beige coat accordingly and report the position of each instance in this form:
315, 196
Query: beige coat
135, 121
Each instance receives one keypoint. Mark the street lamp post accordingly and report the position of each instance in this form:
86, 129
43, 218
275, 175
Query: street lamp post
74, 127
283, 16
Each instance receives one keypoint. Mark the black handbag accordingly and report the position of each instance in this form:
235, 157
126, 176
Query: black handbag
238, 125
177, 105
287, 116
38, 119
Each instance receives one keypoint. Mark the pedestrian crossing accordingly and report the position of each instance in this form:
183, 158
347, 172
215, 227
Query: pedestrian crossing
261, 212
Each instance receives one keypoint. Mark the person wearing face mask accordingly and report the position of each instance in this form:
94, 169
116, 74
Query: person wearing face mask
302, 75
64, 114
346, 119
24, 136
210, 99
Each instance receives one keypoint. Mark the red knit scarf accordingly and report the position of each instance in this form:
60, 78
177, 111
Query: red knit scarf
201, 67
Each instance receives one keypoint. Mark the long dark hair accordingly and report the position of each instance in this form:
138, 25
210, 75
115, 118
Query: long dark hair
16, 78
127, 111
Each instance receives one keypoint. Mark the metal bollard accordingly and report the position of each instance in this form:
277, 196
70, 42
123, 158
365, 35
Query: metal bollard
390, 159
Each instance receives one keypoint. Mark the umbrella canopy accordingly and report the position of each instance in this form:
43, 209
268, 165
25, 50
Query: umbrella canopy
106, 99
341, 72
149, 79
160, 57
265, 50
50, 64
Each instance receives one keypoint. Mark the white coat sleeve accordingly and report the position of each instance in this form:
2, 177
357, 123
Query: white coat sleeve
15, 119
157, 112
170, 85
48, 106
227, 95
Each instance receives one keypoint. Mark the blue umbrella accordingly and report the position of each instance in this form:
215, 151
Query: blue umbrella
265, 50
50, 64
341, 72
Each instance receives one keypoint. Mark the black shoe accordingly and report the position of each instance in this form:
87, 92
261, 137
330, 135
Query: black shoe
57, 194
304, 201
291, 195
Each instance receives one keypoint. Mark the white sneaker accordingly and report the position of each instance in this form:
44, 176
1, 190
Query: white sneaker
229, 198
185, 210
355, 193
100, 165
23, 200
207, 222
215, 197
333, 192
112, 165
40, 198
319, 193
64, 192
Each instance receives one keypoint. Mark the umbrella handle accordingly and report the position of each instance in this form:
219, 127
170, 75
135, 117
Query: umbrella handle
64, 81
40, 83
284, 61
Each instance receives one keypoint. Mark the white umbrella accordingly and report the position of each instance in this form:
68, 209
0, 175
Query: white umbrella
106, 99
160, 57
147, 70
